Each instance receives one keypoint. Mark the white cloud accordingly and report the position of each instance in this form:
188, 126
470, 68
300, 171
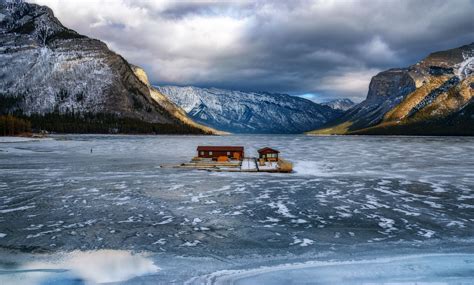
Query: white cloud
377, 49
354, 84
175, 50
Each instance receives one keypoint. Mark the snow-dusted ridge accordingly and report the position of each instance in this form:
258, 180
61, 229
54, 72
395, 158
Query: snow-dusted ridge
249, 112
466, 68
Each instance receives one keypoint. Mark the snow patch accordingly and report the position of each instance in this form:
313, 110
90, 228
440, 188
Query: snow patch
191, 243
466, 68
302, 242
4, 211
282, 209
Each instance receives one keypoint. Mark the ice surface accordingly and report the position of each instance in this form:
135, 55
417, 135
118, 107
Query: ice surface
350, 198
281, 209
22, 208
302, 242
412, 269
77, 267
17, 139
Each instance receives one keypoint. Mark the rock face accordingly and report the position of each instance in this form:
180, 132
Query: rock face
432, 97
46, 68
249, 112
340, 104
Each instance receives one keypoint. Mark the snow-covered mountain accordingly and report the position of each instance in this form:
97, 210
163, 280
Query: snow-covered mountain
340, 104
46, 68
249, 112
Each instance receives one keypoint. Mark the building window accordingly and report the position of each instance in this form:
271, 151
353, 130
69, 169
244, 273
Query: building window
210, 153
228, 153
202, 152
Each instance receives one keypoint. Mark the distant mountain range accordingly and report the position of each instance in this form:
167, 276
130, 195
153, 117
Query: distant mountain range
66, 82
431, 97
340, 104
249, 112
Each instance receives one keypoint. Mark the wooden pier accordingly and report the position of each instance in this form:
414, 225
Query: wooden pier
231, 159
247, 164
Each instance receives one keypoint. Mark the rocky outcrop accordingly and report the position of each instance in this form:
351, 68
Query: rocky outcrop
47, 68
431, 97
249, 112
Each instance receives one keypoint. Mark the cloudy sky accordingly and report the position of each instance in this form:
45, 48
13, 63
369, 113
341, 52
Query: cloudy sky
316, 49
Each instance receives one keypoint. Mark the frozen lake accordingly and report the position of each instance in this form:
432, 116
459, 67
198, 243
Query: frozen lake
357, 210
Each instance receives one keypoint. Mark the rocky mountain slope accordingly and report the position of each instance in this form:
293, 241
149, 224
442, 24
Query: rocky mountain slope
432, 97
249, 112
343, 104
46, 68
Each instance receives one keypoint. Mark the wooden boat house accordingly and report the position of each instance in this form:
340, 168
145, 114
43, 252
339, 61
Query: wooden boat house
216, 152
268, 154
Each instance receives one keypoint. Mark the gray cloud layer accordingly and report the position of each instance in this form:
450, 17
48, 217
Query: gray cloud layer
328, 48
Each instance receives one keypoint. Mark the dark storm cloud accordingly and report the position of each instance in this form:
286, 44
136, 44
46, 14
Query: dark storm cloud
305, 49
328, 48
179, 10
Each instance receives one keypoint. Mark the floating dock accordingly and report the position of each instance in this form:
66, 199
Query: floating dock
232, 159
247, 164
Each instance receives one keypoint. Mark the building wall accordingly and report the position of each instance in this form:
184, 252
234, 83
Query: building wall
216, 154
269, 156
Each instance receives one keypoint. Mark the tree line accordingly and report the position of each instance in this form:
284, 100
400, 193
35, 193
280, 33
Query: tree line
101, 123
15, 121
12, 126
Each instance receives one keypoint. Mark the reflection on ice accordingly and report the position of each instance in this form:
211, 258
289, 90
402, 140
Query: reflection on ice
415, 269
78, 267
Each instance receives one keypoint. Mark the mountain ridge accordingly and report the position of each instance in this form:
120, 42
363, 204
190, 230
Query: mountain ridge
249, 112
431, 97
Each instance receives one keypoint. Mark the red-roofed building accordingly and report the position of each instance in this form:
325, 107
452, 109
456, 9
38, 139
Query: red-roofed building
268, 154
214, 152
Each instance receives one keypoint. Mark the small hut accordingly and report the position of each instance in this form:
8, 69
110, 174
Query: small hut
268, 154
